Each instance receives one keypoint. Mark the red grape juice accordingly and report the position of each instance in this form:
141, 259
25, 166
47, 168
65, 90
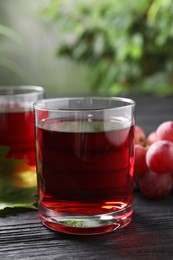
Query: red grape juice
17, 144
84, 168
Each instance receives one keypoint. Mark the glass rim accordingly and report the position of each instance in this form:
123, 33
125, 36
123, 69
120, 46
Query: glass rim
9, 91
38, 105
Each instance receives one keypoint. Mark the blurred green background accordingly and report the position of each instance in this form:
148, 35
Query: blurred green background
86, 47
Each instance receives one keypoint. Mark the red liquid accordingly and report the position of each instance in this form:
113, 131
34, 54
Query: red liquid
17, 139
84, 168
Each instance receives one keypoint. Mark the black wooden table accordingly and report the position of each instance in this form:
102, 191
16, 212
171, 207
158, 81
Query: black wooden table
148, 236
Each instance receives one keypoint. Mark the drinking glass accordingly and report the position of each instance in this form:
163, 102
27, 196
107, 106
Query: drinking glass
17, 143
85, 161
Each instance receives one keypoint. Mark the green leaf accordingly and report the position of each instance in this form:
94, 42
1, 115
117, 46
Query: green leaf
17, 182
10, 65
8, 32
12, 196
133, 37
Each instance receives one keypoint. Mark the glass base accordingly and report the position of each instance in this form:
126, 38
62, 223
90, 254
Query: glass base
86, 225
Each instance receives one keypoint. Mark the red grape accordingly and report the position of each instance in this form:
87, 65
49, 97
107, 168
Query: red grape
165, 131
159, 157
155, 186
140, 137
152, 138
140, 165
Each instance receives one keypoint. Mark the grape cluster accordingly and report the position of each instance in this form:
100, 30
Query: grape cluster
153, 169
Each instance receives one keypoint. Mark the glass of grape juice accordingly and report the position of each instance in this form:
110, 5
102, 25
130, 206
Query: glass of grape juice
17, 139
85, 161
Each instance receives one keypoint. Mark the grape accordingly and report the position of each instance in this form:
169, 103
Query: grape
165, 131
140, 137
159, 157
152, 138
155, 186
140, 165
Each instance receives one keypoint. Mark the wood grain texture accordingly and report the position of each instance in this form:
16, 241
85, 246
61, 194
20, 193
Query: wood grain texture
149, 236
